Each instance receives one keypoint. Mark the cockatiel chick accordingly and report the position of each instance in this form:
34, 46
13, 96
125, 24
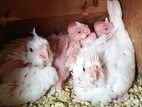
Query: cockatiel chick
90, 77
32, 74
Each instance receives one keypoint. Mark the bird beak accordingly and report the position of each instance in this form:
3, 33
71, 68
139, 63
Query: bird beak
86, 32
94, 73
44, 55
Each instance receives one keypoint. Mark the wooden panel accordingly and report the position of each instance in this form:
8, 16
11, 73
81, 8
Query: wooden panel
133, 19
44, 26
47, 16
29, 9
53, 16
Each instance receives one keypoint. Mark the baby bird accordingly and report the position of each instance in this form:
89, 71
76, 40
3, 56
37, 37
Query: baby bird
78, 33
59, 45
65, 48
90, 78
32, 77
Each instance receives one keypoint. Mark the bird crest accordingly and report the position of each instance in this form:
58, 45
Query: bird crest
34, 33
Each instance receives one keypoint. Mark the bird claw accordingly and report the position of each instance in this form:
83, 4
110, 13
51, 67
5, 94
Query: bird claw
122, 98
55, 89
52, 90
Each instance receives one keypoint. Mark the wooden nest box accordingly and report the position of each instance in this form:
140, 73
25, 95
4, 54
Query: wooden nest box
18, 17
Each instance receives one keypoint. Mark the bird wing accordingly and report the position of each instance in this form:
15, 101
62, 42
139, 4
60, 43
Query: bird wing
14, 50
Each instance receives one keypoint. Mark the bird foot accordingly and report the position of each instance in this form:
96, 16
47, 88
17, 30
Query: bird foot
56, 88
122, 98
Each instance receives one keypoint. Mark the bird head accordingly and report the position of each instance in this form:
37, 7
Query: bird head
38, 51
103, 27
78, 31
94, 68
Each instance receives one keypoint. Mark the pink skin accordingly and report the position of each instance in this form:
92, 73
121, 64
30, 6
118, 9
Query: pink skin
76, 45
59, 46
46, 55
73, 51
78, 32
103, 27
91, 37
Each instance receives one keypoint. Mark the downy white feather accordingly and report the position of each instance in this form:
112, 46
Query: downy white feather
84, 86
119, 54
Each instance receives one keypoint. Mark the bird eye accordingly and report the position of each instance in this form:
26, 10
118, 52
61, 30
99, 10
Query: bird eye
102, 66
83, 69
79, 31
106, 28
31, 50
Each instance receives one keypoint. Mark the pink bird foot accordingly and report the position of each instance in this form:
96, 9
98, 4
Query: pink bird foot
122, 98
57, 87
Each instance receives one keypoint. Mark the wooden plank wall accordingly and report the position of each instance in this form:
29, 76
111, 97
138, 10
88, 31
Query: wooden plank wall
47, 16
133, 20
29, 9
53, 16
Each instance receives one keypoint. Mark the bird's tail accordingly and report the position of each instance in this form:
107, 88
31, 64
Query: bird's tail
114, 8
115, 12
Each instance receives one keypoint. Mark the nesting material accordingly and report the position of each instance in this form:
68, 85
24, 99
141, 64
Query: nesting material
67, 99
